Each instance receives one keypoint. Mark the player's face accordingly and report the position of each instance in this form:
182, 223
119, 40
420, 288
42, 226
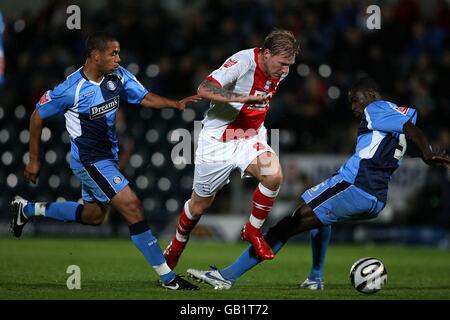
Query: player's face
276, 65
109, 58
358, 101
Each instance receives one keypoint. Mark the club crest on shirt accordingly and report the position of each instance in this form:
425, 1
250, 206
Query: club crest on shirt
103, 108
117, 179
267, 85
111, 85
45, 98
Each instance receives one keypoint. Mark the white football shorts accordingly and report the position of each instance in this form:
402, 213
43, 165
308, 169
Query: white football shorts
215, 160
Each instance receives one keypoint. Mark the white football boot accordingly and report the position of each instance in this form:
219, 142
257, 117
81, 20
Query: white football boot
312, 284
211, 277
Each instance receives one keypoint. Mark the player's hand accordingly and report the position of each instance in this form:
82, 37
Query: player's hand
253, 99
438, 158
32, 169
439, 161
182, 104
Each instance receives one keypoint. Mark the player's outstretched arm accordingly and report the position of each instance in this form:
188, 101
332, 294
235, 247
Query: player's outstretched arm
212, 91
429, 156
152, 100
34, 165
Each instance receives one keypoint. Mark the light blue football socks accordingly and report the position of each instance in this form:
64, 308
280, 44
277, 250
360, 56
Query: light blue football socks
320, 238
149, 246
247, 260
62, 211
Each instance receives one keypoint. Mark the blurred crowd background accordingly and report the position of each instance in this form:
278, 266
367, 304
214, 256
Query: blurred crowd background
172, 45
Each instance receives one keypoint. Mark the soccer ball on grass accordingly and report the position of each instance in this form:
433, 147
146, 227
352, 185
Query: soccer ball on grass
368, 275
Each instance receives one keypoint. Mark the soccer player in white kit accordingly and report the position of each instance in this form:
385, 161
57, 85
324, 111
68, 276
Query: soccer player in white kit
234, 137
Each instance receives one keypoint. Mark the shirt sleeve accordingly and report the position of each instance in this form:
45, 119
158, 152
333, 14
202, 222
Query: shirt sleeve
231, 70
55, 101
133, 91
388, 117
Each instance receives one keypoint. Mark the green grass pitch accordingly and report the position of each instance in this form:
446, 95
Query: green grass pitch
35, 268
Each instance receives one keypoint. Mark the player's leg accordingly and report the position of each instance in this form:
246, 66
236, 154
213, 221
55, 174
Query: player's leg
129, 206
302, 219
267, 169
88, 213
333, 200
320, 238
23, 211
104, 182
193, 209
213, 165
93, 213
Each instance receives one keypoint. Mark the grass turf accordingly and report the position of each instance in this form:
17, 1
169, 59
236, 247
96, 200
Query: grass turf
35, 268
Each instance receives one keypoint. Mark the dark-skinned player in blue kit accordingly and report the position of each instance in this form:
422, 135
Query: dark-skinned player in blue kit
357, 191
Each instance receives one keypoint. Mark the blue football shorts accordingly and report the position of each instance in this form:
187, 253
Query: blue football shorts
338, 200
100, 181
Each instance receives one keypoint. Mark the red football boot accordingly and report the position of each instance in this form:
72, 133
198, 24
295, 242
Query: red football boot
254, 236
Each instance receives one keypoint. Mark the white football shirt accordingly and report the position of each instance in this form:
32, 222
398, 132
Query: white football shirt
242, 74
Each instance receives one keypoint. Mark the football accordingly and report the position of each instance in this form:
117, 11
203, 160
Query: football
368, 275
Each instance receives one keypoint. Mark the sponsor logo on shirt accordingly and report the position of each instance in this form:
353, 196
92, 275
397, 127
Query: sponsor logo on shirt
103, 108
45, 98
231, 62
261, 107
256, 107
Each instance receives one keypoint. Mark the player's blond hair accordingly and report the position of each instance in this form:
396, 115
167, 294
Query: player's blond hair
281, 42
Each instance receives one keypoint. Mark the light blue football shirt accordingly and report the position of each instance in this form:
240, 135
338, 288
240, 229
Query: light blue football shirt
90, 111
380, 146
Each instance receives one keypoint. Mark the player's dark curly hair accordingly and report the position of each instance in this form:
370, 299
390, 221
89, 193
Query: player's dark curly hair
281, 42
98, 41
363, 84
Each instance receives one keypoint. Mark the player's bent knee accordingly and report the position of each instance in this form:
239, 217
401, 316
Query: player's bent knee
278, 179
94, 219
132, 211
303, 210
273, 182
134, 207
92, 215
198, 205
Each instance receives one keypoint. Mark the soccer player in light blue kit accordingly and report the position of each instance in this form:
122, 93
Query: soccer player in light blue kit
89, 99
357, 191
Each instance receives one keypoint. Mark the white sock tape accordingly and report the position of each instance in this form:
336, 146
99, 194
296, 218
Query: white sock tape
39, 208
